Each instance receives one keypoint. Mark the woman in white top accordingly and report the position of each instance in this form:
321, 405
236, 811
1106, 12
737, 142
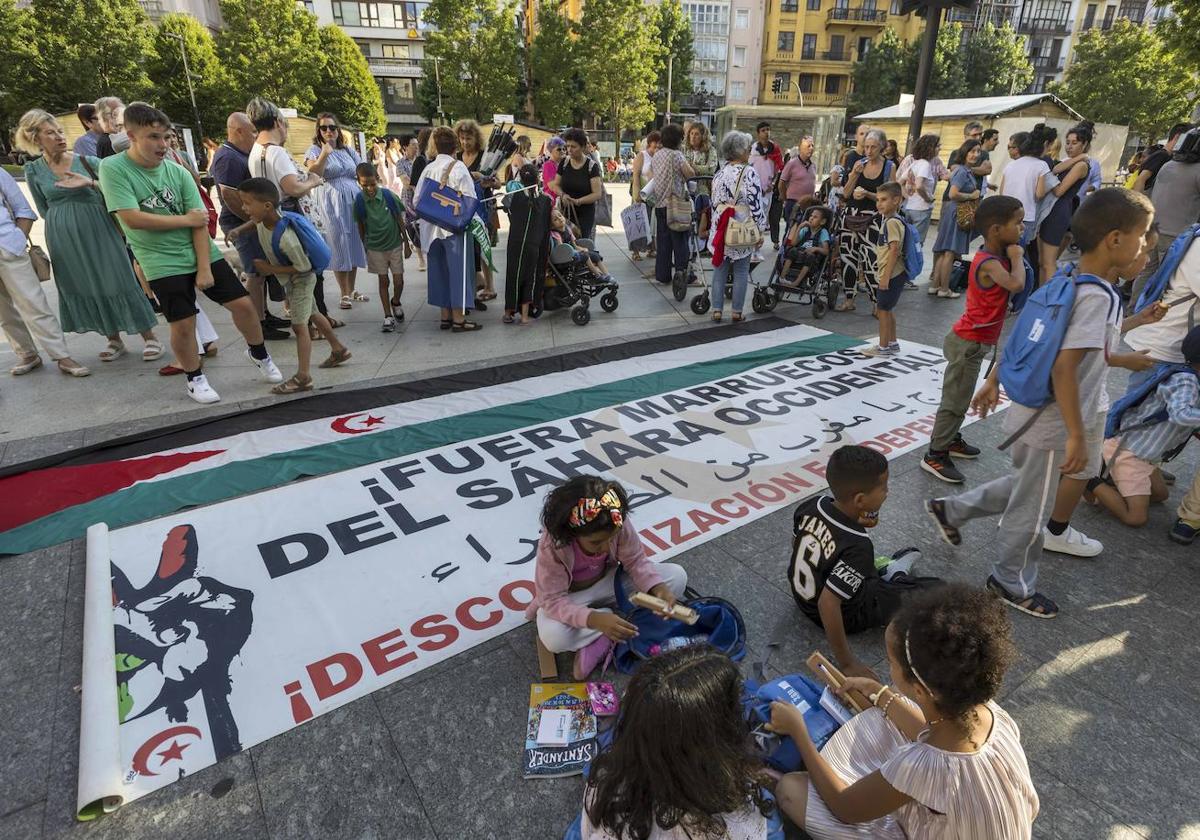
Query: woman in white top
918, 207
681, 765
639, 176
449, 256
935, 758
1025, 178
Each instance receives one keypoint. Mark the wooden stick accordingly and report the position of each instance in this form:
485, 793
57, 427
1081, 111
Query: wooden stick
828, 673
685, 614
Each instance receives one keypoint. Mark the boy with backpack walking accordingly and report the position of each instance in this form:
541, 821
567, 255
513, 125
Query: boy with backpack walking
296, 255
897, 260
380, 217
997, 273
1149, 425
1054, 369
166, 226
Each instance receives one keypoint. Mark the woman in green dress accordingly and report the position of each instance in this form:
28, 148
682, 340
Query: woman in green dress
97, 289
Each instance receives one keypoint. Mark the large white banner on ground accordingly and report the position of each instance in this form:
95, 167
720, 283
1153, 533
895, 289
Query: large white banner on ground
234, 622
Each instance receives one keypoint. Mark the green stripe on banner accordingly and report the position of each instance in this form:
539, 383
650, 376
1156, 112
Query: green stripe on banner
158, 498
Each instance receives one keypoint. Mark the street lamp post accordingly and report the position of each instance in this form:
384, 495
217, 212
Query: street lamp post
188, 74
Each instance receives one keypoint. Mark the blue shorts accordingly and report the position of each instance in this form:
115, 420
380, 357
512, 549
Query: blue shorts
886, 299
249, 249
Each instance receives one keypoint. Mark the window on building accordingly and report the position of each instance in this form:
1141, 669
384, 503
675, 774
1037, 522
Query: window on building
868, 5
789, 6
1089, 19
787, 42
395, 50
1109, 13
837, 46
864, 47
364, 47
384, 15
307, 5
737, 91
397, 95
809, 49
741, 19
345, 14
833, 85
814, 5
739, 56
807, 82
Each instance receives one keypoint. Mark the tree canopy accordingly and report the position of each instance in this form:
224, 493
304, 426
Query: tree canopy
675, 35
210, 80
271, 48
477, 46
555, 82
620, 57
346, 86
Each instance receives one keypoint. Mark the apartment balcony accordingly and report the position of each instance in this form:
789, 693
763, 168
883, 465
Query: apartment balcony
395, 68
789, 97
1134, 14
1048, 63
856, 17
841, 56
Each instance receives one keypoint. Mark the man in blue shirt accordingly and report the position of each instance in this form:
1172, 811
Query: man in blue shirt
25, 313
229, 168
92, 130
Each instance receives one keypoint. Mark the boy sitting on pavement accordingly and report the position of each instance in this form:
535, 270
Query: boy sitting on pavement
997, 271
833, 571
1152, 423
807, 244
261, 200
380, 217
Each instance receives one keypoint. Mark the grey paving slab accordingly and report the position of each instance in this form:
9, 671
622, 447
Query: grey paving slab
23, 823
1070, 812
31, 627
22, 450
339, 775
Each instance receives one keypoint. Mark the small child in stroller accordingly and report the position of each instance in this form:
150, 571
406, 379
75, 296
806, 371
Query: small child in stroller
562, 232
807, 245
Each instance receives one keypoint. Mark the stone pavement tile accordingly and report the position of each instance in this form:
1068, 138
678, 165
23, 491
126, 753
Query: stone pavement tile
1067, 813
19, 451
31, 627
339, 775
602, 325
1093, 744
461, 736
23, 824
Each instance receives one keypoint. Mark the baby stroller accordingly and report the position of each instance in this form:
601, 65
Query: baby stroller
818, 288
572, 283
698, 264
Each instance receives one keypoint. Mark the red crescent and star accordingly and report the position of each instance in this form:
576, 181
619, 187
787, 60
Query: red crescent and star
342, 426
172, 753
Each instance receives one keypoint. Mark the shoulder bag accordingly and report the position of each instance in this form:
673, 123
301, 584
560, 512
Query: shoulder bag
41, 262
442, 205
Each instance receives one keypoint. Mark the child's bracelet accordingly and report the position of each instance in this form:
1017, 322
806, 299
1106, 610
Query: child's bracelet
888, 704
874, 698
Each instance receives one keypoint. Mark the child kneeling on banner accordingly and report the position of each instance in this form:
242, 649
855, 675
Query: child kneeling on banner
1153, 421
681, 763
935, 756
586, 535
260, 197
833, 571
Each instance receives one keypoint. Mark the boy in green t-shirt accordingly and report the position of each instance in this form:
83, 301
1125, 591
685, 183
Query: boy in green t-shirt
260, 198
380, 217
166, 225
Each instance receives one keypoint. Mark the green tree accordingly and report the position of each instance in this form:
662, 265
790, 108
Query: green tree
271, 48
210, 80
477, 45
995, 63
675, 34
620, 53
882, 74
1181, 32
86, 49
347, 87
20, 50
556, 85
1127, 76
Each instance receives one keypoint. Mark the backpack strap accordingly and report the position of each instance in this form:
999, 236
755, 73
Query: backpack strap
360, 208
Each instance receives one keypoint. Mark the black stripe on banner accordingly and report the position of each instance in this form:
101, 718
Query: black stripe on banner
361, 399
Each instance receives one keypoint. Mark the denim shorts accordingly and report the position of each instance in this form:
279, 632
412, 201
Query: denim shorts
886, 299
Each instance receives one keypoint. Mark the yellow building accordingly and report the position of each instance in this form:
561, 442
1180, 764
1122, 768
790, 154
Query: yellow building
812, 45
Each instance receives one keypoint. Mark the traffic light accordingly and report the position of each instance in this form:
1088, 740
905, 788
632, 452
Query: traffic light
776, 85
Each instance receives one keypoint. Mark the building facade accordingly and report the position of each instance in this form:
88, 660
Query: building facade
745, 52
811, 46
710, 67
207, 12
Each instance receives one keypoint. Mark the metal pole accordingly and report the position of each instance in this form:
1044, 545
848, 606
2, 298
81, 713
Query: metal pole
933, 21
670, 69
191, 90
437, 80
799, 93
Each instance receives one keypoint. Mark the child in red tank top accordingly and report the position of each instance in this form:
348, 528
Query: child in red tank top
997, 270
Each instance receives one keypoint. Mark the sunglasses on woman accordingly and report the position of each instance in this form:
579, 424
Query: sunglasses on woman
329, 128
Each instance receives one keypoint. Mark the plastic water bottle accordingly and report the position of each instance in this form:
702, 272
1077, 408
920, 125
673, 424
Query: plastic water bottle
675, 643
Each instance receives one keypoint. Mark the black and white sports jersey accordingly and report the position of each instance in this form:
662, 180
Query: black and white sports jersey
828, 550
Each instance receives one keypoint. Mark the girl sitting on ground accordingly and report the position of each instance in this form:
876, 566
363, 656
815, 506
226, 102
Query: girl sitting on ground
935, 757
586, 535
681, 766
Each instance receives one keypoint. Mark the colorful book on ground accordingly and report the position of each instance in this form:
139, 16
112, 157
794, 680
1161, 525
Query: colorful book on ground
568, 741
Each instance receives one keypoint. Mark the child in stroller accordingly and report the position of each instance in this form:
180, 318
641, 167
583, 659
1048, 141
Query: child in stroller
802, 266
578, 273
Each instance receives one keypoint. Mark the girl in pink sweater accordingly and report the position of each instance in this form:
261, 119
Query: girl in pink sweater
586, 535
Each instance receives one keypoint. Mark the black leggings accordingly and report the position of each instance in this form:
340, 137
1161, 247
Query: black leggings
673, 253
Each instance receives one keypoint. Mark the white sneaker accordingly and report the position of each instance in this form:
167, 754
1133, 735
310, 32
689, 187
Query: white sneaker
1073, 542
902, 562
266, 367
201, 391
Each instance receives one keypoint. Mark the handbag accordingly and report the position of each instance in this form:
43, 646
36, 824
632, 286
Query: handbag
679, 214
964, 214
444, 206
604, 217
41, 262
743, 233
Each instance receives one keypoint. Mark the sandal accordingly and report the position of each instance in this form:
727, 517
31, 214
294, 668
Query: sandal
152, 351
114, 350
335, 323
508, 318
486, 296
359, 297
169, 370
1036, 605
716, 316
445, 324
210, 349
293, 386
737, 316
336, 358
73, 369
845, 306
466, 326
345, 304
26, 365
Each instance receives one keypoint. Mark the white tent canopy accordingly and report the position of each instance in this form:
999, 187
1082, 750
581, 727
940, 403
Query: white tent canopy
975, 106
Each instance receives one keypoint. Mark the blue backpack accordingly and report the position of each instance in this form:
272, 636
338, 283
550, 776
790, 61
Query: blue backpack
311, 241
720, 627
1156, 286
360, 205
781, 752
914, 257
1029, 355
1136, 396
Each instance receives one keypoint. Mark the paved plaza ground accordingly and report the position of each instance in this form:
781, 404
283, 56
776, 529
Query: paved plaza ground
1105, 695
